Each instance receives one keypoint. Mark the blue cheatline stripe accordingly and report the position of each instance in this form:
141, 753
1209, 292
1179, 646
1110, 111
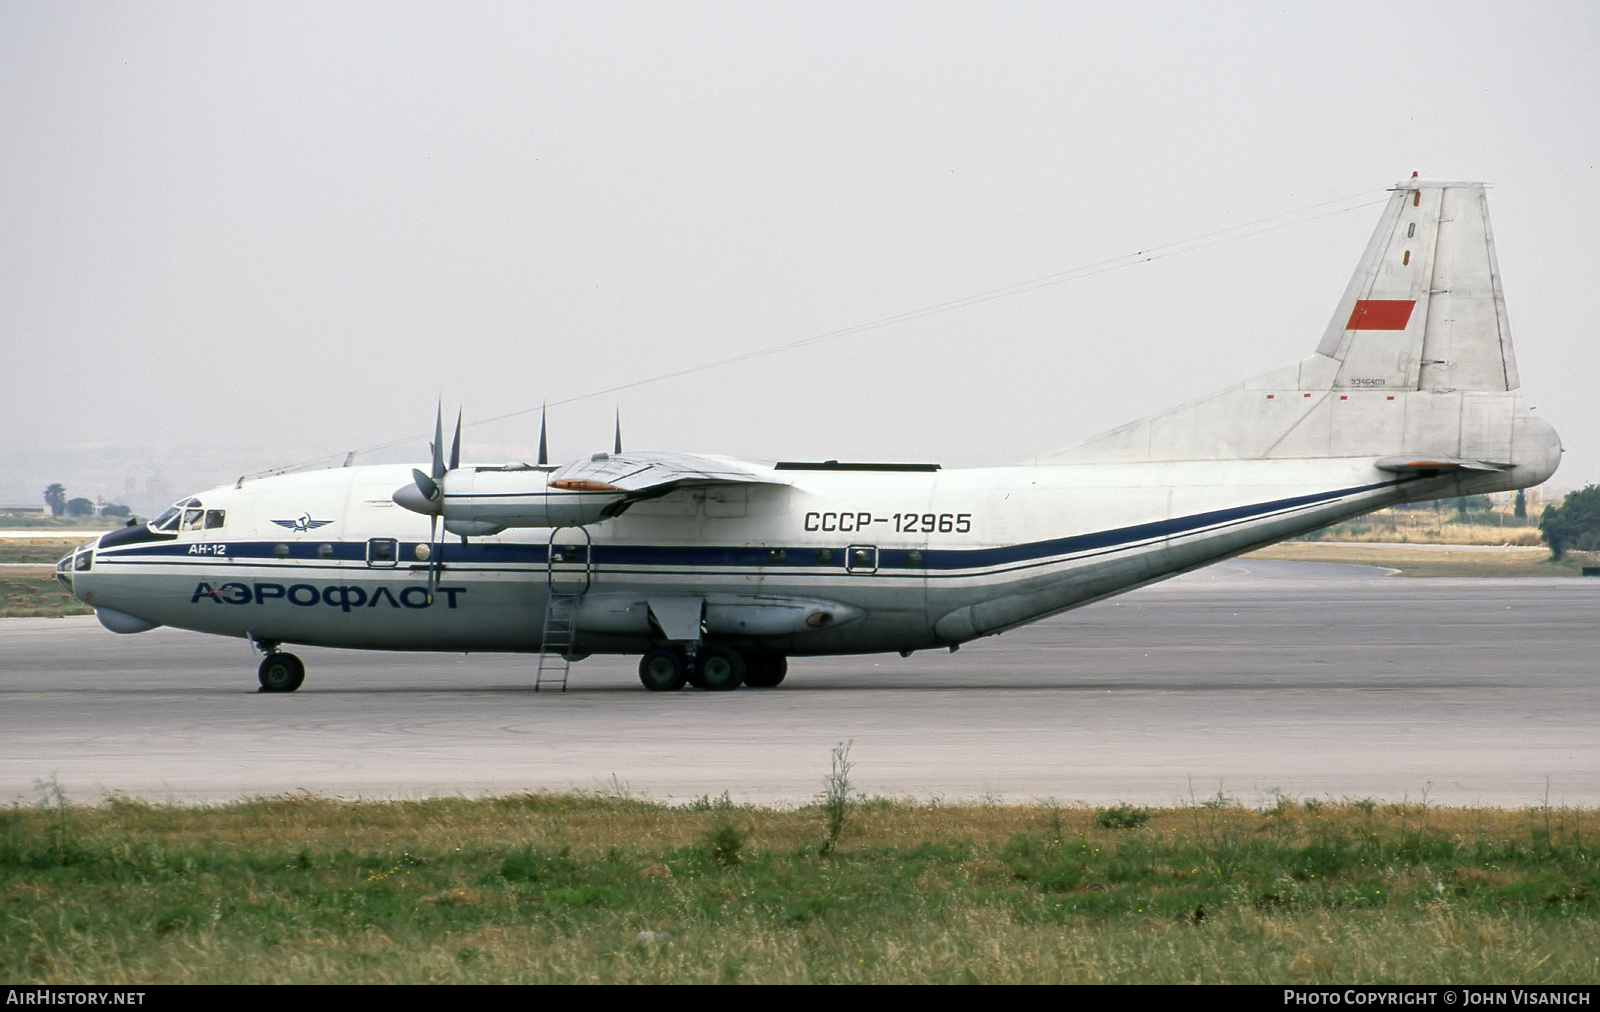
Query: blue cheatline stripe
759, 557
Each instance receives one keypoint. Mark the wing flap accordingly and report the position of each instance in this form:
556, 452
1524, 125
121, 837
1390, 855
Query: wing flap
1413, 465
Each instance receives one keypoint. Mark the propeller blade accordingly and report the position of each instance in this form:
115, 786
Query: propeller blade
544, 451
434, 560
455, 447
438, 444
426, 485
617, 449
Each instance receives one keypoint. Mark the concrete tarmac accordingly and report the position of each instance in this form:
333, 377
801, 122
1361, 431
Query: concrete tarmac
1248, 678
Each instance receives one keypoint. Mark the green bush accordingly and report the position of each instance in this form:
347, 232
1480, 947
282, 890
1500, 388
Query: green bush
725, 842
1121, 817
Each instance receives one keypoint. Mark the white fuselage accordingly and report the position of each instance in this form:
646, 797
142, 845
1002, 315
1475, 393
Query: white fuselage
895, 561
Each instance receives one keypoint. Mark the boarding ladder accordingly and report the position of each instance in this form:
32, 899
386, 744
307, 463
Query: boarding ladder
568, 574
560, 624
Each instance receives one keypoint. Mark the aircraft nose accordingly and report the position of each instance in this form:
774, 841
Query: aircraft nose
76, 562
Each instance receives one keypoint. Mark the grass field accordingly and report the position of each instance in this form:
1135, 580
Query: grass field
1428, 562
583, 888
44, 551
1394, 526
34, 593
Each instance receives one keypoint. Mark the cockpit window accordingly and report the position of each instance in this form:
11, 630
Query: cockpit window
185, 514
215, 519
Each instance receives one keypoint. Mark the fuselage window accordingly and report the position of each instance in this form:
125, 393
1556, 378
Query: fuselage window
215, 519
383, 552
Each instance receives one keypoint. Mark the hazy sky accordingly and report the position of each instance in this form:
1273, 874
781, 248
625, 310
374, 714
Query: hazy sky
244, 235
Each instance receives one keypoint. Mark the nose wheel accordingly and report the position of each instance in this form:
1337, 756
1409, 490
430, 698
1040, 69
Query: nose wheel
281, 673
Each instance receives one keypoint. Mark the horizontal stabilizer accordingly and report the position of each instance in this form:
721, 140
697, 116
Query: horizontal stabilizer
1413, 465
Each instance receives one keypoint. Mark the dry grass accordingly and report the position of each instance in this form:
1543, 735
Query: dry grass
34, 593
1436, 527
1425, 562
44, 551
1429, 531
543, 888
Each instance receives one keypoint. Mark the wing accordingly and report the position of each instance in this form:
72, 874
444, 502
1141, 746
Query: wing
651, 475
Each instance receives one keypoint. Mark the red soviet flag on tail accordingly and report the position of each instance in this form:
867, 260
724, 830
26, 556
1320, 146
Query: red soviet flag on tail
1381, 314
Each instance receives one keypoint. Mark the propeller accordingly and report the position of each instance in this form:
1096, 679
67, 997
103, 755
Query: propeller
436, 571
617, 449
426, 494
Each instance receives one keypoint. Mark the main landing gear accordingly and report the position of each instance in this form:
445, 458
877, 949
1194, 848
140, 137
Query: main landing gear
716, 667
279, 672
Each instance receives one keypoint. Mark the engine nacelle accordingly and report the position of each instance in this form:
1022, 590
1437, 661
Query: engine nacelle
481, 501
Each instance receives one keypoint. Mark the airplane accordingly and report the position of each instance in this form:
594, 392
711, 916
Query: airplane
716, 570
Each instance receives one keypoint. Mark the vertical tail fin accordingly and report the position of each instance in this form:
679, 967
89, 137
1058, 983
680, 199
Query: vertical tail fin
1425, 310
1416, 363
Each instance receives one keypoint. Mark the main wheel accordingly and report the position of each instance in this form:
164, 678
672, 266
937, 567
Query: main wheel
719, 668
763, 671
281, 673
663, 669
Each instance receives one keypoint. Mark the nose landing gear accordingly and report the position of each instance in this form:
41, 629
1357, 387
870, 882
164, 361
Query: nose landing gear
279, 672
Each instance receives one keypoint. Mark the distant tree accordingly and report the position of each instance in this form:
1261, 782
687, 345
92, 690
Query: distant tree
1520, 511
80, 507
115, 510
55, 497
1574, 525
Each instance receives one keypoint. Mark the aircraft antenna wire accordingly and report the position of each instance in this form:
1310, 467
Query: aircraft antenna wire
1201, 241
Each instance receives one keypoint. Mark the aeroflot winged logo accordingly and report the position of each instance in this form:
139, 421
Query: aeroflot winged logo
303, 523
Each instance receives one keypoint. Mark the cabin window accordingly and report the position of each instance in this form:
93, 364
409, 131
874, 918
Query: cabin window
167, 521
84, 561
383, 552
215, 519
325, 551
1411, 230
193, 516
861, 559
